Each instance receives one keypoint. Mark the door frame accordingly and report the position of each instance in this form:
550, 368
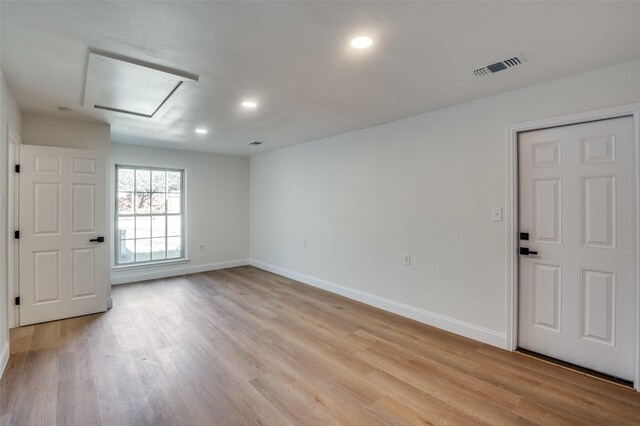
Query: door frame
512, 210
13, 181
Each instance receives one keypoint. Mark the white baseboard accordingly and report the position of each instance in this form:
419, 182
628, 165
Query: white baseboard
158, 271
4, 357
462, 328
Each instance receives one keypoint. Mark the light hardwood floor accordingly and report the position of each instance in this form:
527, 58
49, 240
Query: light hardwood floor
243, 346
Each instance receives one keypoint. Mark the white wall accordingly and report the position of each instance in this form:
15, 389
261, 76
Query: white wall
423, 185
38, 129
217, 208
9, 114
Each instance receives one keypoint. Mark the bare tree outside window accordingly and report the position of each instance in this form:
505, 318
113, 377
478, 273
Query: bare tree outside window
149, 215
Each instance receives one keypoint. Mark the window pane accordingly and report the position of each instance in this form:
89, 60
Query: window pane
125, 203
174, 247
143, 180
149, 215
143, 227
143, 202
174, 226
173, 203
157, 203
126, 251
158, 181
173, 182
143, 250
158, 246
125, 180
126, 227
158, 226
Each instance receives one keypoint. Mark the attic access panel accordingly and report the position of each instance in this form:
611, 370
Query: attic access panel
130, 87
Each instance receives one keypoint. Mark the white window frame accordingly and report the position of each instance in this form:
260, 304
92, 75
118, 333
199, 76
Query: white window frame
182, 214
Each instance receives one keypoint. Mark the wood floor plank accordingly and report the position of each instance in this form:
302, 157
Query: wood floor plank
431, 409
536, 387
244, 346
12, 386
480, 406
441, 372
397, 413
76, 394
35, 402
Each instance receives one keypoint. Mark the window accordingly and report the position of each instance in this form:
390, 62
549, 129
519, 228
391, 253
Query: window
149, 215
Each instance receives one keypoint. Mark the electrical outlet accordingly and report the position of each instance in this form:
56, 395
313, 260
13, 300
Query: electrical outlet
407, 259
202, 247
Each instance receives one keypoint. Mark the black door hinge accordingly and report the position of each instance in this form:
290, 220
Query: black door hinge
18, 300
17, 169
16, 235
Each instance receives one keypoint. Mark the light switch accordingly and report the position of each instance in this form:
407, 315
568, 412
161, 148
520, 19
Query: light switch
496, 214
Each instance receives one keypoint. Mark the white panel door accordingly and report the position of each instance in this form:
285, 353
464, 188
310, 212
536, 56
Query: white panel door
62, 208
577, 203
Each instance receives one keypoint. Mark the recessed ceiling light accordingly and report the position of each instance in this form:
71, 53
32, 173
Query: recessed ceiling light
201, 131
249, 104
361, 42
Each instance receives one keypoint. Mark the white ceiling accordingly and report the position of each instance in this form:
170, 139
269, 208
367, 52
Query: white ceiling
295, 59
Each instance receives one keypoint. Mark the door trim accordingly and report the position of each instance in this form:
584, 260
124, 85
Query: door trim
13, 180
512, 213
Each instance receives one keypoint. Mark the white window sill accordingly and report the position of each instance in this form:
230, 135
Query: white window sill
150, 264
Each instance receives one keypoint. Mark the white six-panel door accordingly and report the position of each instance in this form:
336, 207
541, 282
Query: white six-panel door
577, 295
62, 207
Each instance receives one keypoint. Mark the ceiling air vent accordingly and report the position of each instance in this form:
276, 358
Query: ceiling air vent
255, 143
499, 66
